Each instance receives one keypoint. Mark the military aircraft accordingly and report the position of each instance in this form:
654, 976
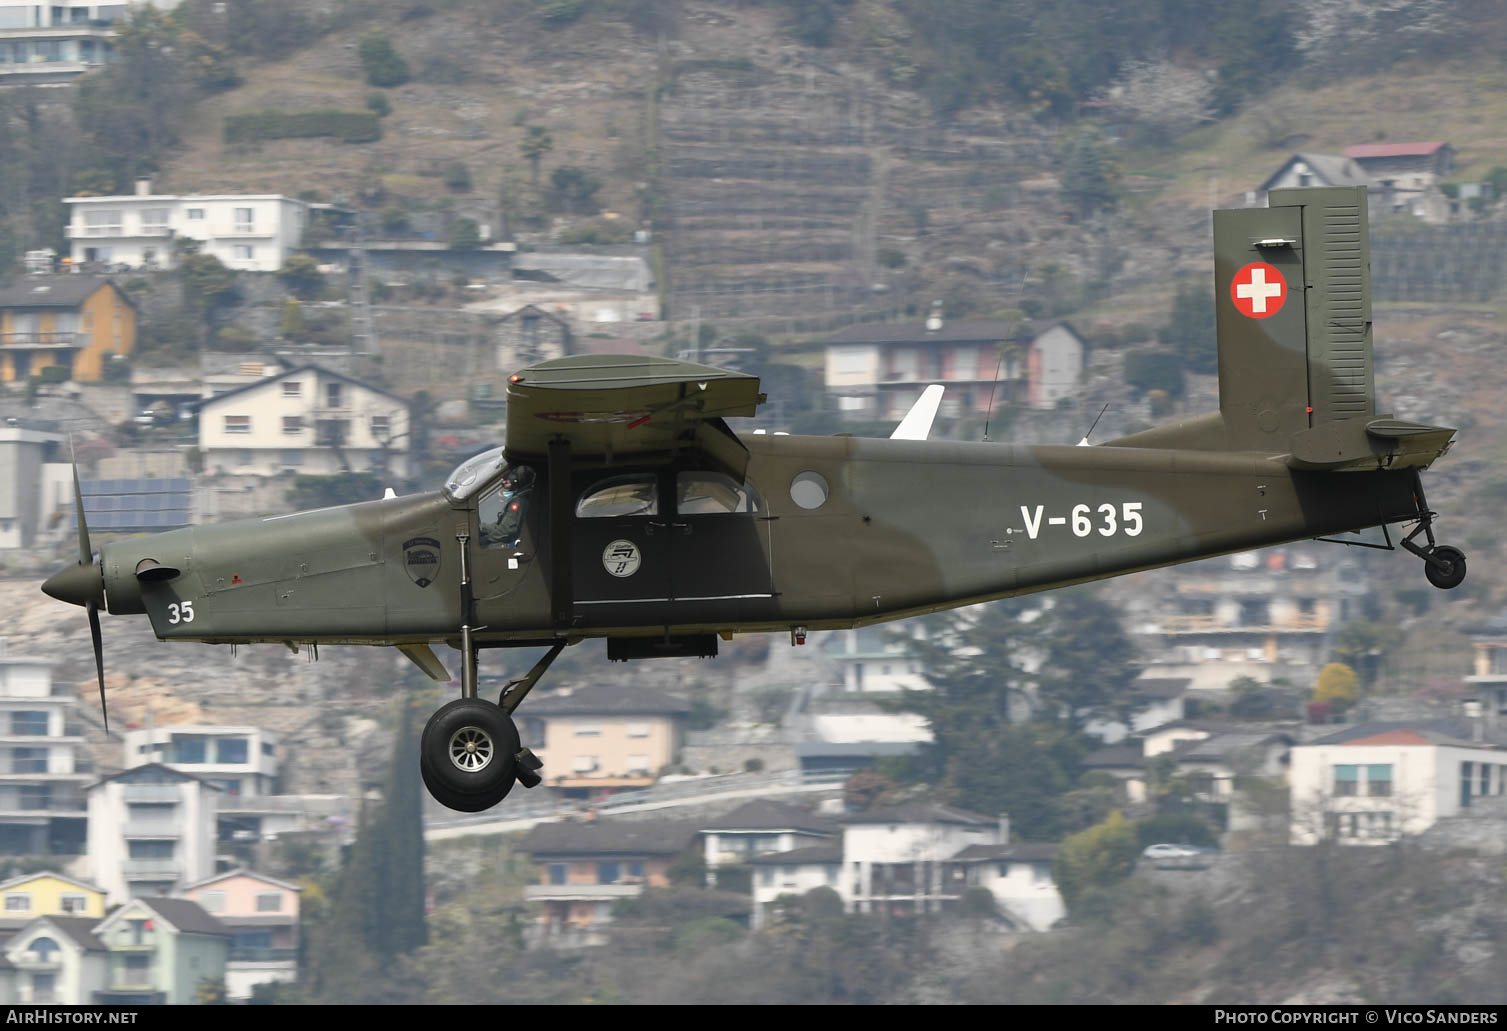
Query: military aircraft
622, 506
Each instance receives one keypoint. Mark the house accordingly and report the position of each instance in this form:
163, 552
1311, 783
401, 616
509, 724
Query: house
1310, 169
761, 827
834, 745
916, 859
1488, 681
586, 867
1054, 365
58, 960
29, 450
602, 738
877, 371
307, 420
24, 898
1374, 782
1125, 763
1404, 167
242, 761
73, 322
151, 831
873, 660
247, 232
53, 44
435, 349
1265, 615
261, 915
43, 763
161, 950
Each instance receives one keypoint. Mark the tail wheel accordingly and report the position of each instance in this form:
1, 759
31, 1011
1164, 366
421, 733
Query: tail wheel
1445, 567
468, 754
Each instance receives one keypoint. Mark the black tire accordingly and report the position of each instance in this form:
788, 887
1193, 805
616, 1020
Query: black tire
1450, 572
488, 771
461, 803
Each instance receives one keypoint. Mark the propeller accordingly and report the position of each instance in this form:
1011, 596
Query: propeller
84, 584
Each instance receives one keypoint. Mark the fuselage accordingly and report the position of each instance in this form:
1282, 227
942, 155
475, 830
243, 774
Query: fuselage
823, 533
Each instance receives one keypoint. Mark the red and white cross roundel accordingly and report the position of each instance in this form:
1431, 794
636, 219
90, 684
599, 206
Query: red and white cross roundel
1258, 290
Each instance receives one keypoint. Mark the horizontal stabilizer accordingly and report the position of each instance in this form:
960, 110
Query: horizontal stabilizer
917, 422
1383, 442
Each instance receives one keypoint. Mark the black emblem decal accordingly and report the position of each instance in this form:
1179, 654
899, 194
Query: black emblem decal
421, 557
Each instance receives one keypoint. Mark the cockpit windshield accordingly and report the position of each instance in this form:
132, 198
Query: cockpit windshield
473, 474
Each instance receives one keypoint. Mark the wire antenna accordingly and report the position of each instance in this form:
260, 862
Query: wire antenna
990, 416
1090, 432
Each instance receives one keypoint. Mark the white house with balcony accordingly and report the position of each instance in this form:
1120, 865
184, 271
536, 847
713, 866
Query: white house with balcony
917, 859
55, 960
151, 832
307, 420
53, 44
42, 768
242, 761
1375, 782
247, 232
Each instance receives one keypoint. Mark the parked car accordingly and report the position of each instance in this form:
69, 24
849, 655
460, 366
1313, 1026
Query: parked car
1169, 851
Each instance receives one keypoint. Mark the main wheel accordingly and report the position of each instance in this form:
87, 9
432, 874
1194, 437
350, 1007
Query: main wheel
457, 801
1451, 568
467, 752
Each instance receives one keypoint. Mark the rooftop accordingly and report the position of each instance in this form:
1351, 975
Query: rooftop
814, 854
1457, 732
601, 700
982, 330
764, 815
646, 838
54, 291
921, 812
1393, 150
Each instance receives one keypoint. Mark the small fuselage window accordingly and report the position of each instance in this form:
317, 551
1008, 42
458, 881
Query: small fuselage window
707, 493
620, 496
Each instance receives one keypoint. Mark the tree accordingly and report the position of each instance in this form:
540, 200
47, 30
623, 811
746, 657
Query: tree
291, 327
383, 65
1190, 332
301, 274
1337, 687
1088, 663
575, 189
1096, 858
536, 143
465, 234
1090, 175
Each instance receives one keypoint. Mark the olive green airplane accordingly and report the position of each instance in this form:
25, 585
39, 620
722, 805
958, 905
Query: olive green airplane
622, 506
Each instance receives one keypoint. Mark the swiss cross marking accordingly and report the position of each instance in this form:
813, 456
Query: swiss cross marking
1258, 290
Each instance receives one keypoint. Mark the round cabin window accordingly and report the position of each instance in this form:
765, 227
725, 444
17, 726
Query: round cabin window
809, 490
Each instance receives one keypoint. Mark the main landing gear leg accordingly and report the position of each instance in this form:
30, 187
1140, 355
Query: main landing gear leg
470, 754
514, 693
1443, 565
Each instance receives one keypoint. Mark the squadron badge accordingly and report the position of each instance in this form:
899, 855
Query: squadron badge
622, 558
421, 558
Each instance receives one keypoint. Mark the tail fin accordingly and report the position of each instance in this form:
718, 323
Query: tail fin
1293, 311
1292, 305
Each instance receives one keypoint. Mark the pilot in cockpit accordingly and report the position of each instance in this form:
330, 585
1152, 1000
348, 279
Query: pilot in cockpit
505, 530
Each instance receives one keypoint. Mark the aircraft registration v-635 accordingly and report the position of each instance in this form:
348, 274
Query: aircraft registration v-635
623, 506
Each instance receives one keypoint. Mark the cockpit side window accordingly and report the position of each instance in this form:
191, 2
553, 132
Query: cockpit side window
473, 474
708, 493
636, 495
501, 512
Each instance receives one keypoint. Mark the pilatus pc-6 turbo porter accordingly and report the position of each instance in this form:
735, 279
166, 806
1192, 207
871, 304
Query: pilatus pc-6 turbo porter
623, 506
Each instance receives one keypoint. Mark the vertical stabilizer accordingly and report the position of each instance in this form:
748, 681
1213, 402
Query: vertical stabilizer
1293, 310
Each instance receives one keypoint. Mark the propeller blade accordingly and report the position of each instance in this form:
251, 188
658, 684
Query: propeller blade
99, 659
85, 552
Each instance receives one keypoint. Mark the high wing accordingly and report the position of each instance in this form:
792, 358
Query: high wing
609, 406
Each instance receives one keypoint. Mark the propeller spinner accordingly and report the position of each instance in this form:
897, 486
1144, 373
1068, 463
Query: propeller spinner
84, 584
